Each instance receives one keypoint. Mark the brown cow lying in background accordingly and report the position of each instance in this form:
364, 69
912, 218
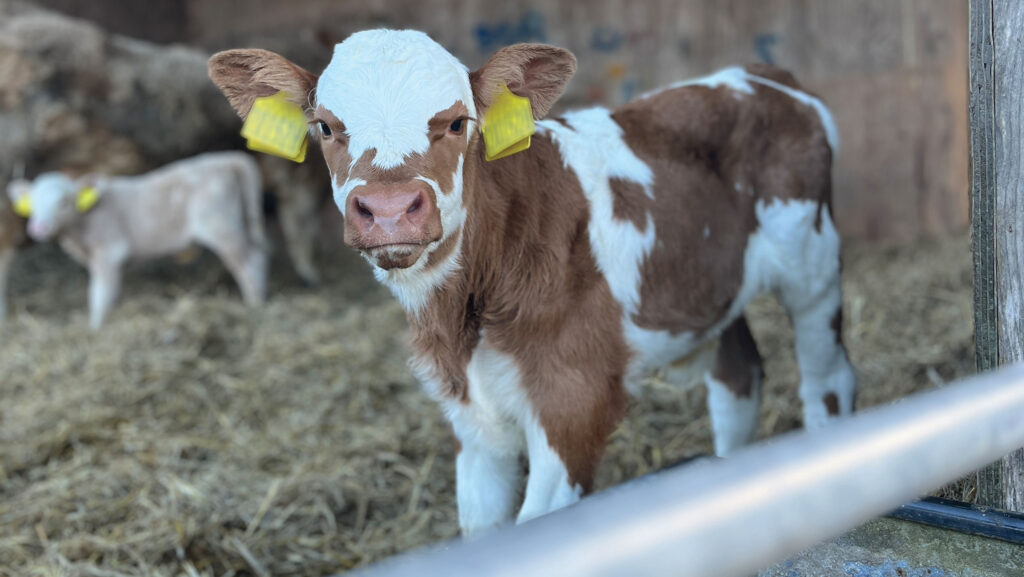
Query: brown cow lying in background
213, 200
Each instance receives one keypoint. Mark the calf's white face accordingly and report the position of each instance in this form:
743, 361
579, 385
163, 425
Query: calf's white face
52, 197
396, 116
393, 112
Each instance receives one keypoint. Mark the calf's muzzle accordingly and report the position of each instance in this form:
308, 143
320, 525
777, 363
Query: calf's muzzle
398, 219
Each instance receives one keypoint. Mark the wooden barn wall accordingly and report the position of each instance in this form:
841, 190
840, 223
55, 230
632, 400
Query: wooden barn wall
892, 71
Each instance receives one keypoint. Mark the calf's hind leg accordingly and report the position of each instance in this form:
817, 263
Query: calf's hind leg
734, 389
812, 296
246, 262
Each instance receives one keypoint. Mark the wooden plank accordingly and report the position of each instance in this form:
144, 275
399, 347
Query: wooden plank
982, 144
1008, 37
997, 211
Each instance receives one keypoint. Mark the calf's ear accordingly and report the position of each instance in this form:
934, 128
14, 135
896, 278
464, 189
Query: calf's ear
247, 74
536, 71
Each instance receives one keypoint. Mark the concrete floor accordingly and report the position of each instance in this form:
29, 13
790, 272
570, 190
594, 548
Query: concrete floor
894, 548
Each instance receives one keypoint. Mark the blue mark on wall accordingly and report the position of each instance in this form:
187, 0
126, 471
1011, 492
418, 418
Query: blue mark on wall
606, 39
684, 47
530, 27
763, 45
890, 569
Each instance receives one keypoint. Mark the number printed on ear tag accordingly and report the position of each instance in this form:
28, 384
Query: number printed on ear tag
508, 125
276, 126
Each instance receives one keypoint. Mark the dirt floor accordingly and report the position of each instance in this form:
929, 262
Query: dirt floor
192, 436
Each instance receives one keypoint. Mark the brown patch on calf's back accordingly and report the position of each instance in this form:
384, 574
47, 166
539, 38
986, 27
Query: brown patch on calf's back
629, 202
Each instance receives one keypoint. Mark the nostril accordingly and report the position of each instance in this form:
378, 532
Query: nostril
416, 204
363, 210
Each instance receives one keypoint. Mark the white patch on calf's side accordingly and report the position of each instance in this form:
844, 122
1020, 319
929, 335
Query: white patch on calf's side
733, 418
385, 85
594, 149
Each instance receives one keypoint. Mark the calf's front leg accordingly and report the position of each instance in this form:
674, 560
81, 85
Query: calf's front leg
486, 486
577, 397
104, 286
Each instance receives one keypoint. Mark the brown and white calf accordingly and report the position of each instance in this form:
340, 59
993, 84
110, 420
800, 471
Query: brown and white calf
12, 232
541, 285
213, 200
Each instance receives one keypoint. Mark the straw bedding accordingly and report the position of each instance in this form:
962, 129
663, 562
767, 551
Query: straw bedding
192, 436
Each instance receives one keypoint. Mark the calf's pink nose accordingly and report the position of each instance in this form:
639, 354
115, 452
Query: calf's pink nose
386, 210
38, 229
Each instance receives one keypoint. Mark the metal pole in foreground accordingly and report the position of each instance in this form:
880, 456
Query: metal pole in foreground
733, 517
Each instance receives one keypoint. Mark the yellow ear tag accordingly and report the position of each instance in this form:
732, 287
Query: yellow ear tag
23, 206
87, 198
277, 127
507, 125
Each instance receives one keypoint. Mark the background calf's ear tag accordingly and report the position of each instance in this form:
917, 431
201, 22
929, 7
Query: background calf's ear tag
276, 126
508, 125
23, 206
87, 198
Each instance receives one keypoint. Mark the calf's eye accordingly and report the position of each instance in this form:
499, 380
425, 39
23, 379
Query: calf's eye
456, 126
325, 131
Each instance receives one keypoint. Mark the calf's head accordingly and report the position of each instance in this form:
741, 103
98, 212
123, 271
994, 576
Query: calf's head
54, 200
396, 116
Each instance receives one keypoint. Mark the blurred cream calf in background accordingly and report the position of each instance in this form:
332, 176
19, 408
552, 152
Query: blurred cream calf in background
213, 200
